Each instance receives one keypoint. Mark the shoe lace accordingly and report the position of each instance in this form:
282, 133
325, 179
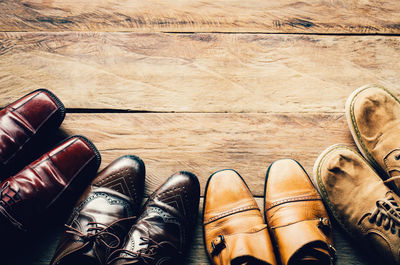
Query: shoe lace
97, 232
145, 255
387, 212
8, 195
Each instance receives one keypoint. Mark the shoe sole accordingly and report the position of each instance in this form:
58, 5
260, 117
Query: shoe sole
58, 103
352, 123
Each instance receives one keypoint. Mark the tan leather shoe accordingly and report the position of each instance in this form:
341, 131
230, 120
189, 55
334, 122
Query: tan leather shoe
359, 201
234, 230
373, 115
296, 216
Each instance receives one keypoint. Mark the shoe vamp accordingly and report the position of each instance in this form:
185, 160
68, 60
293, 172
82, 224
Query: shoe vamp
351, 186
159, 226
102, 207
378, 121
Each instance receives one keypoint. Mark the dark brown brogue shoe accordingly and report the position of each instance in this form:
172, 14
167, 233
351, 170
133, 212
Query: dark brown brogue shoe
165, 227
57, 176
104, 214
24, 120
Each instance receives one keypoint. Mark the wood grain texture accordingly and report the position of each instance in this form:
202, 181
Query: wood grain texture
197, 72
338, 16
204, 143
41, 252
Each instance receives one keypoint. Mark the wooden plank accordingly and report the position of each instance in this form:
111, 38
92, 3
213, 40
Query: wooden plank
40, 252
293, 16
204, 143
196, 72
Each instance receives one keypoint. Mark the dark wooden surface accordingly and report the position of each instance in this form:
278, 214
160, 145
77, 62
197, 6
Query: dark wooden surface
198, 85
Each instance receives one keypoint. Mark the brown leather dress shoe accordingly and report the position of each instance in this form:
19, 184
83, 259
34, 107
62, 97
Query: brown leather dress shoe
360, 202
162, 233
103, 215
234, 229
296, 216
57, 176
373, 115
24, 120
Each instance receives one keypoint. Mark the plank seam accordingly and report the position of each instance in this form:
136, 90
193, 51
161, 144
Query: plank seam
355, 34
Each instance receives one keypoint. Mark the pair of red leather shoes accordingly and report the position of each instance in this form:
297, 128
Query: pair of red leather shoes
57, 176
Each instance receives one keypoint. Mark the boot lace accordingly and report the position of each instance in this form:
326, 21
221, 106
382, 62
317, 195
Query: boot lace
145, 255
387, 213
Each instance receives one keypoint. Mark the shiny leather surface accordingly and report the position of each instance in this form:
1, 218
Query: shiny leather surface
57, 175
23, 120
234, 229
296, 216
162, 233
104, 214
360, 202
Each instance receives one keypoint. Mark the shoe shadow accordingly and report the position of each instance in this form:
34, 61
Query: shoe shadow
350, 251
37, 246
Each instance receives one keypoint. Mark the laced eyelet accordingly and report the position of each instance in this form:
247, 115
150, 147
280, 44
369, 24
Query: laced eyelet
324, 224
217, 245
387, 215
9, 195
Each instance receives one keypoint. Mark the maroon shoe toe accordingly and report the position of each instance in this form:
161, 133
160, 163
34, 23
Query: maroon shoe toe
58, 176
25, 120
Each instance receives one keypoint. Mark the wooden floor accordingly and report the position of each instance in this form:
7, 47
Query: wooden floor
200, 85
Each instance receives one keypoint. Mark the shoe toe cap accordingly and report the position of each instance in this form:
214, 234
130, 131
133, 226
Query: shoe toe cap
125, 175
286, 177
226, 190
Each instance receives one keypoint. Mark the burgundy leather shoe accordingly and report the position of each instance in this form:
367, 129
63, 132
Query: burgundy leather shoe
58, 175
25, 120
104, 214
166, 225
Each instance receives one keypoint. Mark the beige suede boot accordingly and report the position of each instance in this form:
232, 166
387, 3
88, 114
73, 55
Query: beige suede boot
373, 115
359, 201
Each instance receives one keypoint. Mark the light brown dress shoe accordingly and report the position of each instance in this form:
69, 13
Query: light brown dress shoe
359, 201
234, 230
296, 216
373, 115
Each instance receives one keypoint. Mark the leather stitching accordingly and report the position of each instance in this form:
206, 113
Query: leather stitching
355, 126
132, 192
230, 212
293, 199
